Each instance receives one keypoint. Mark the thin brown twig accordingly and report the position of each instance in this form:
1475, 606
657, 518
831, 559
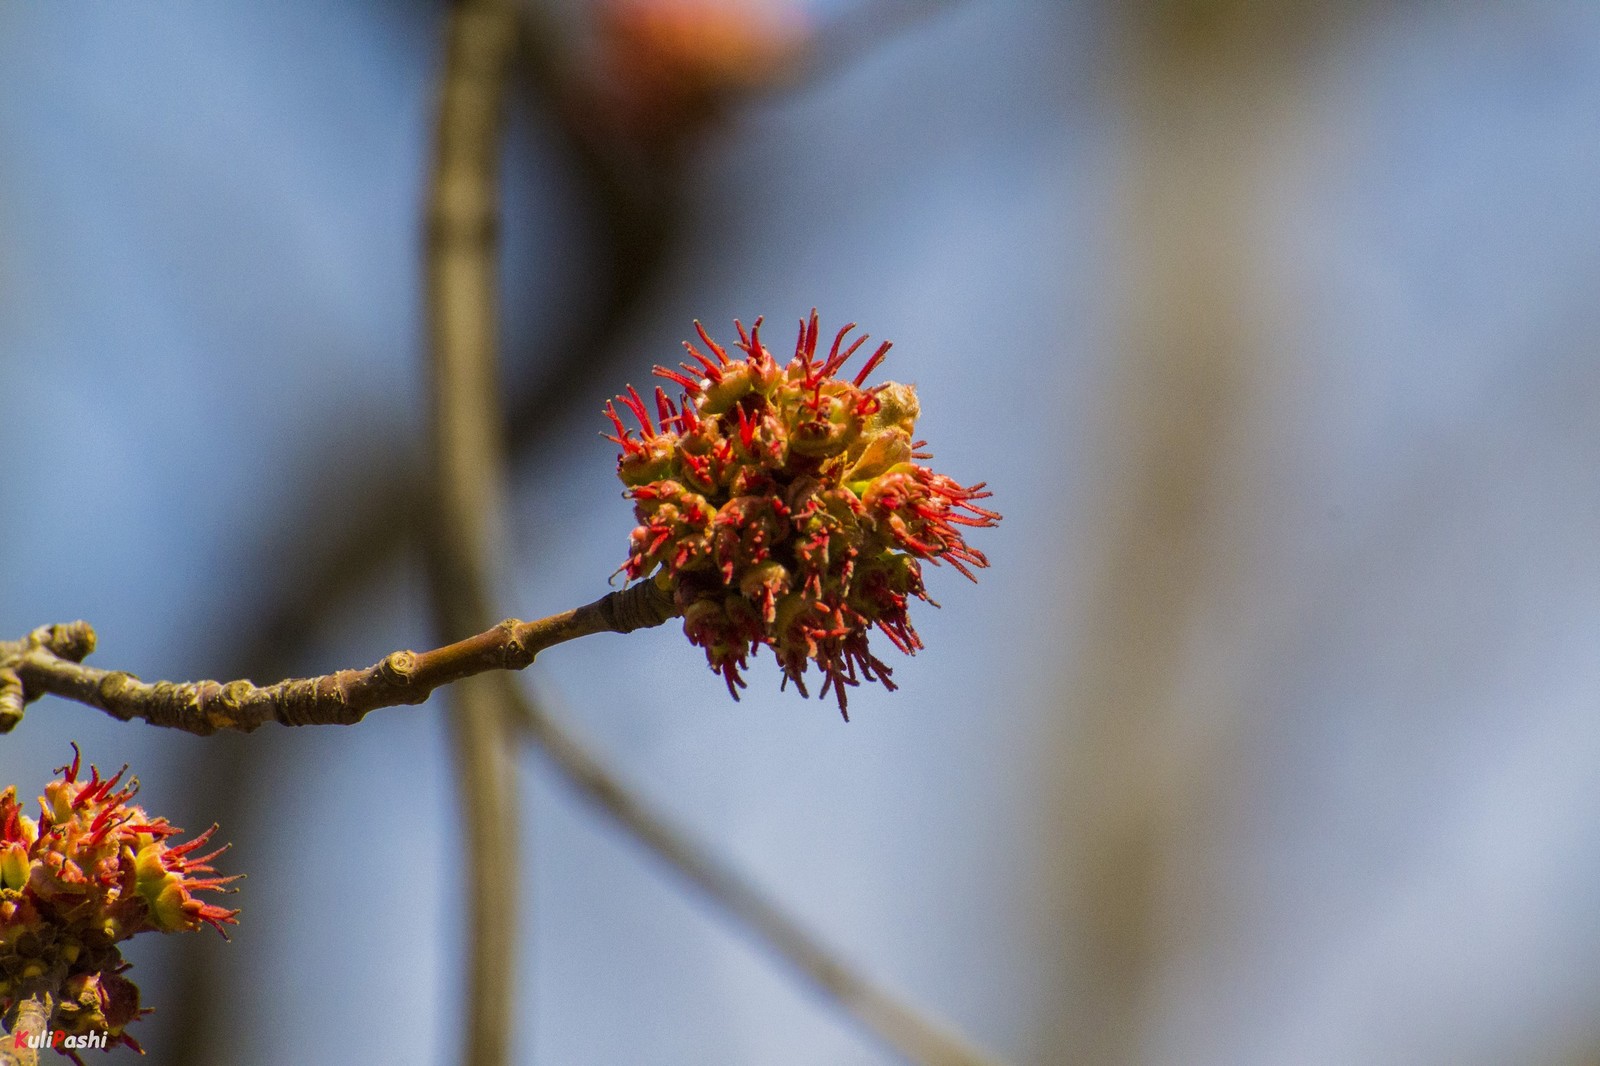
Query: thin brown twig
48, 660
897, 1025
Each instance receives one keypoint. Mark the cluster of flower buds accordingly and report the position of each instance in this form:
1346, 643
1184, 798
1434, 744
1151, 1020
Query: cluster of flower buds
784, 506
89, 873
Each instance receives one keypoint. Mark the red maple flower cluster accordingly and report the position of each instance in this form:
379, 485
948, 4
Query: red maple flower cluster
783, 505
91, 872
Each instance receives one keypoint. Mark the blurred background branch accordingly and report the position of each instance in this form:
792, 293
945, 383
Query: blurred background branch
465, 546
916, 1037
1208, 87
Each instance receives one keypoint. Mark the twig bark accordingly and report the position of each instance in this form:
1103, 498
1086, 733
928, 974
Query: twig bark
48, 661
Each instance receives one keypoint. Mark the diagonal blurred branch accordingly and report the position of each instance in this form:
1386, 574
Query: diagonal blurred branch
897, 1025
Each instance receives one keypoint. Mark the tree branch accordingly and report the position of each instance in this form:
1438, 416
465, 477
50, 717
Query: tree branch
48, 660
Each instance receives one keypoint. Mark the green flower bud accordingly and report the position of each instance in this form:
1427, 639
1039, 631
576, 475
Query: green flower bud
14, 867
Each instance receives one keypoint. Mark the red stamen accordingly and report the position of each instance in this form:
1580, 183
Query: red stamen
873, 363
718, 350
753, 346
713, 371
747, 429
636, 405
837, 358
71, 771
682, 379
664, 409
623, 433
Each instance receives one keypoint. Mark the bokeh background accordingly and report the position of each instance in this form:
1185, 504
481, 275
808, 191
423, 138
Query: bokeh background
1270, 737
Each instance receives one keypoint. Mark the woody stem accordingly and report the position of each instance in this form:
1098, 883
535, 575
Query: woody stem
48, 661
